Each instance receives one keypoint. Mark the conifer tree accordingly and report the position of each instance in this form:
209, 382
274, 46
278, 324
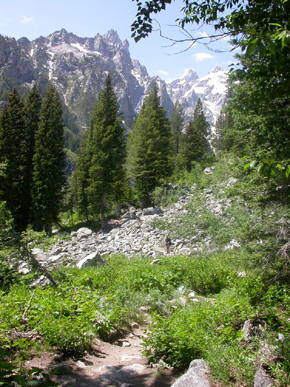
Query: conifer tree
105, 154
48, 163
220, 127
150, 150
195, 146
32, 115
80, 177
177, 121
12, 153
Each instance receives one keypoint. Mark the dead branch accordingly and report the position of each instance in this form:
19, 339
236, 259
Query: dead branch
23, 317
283, 252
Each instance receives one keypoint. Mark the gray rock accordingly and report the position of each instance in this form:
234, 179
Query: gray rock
55, 258
41, 281
250, 331
208, 170
196, 376
152, 211
83, 232
262, 379
233, 245
39, 254
91, 260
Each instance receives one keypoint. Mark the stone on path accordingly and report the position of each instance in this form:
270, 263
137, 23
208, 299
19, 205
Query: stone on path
91, 260
196, 376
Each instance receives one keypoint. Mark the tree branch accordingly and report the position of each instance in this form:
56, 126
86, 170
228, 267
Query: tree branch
23, 317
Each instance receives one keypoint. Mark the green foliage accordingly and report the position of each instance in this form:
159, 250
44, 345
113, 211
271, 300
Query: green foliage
165, 195
100, 172
99, 301
13, 154
32, 116
48, 164
212, 330
264, 28
177, 121
194, 145
149, 152
13, 373
8, 275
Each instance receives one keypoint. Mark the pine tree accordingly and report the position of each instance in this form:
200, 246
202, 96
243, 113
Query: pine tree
150, 150
81, 174
177, 121
13, 154
48, 163
195, 146
32, 115
105, 154
220, 127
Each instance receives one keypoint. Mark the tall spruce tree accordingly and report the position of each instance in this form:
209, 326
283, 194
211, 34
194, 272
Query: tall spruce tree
13, 154
220, 127
32, 115
195, 146
48, 163
80, 177
177, 122
150, 147
104, 156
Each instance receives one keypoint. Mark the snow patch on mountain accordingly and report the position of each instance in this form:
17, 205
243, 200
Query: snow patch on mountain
78, 67
211, 89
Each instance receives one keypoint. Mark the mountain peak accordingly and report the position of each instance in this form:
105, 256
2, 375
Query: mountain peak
217, 69
113, 37
189, 75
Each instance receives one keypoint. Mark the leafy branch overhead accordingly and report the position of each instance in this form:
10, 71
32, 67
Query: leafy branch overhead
260, 25
268, 167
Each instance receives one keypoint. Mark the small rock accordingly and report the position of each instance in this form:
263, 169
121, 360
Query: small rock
91, 260
128, 358
196, 376
80, 364
262, 379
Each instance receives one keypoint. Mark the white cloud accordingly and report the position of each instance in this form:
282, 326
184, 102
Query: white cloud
203, 34
26, 20
200, 56
229, 62
163, 72
227, 38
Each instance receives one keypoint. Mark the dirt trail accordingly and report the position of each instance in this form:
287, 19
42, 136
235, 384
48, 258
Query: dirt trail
120, 364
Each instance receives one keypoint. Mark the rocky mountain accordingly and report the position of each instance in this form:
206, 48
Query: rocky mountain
211, 89
78, 68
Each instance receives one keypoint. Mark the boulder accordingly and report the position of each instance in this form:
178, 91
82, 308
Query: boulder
196, 376
262, 379
41, 281
233, 245
152, 211
93, 259
81, 233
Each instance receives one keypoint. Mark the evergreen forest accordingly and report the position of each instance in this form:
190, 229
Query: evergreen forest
243, 166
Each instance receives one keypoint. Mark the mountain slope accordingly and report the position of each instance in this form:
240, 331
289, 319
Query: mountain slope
78, 68
211, 89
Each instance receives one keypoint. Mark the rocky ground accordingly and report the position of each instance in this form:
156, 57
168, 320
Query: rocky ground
117, 364
132, 234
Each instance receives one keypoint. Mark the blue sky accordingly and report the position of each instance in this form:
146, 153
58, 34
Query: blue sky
87, 18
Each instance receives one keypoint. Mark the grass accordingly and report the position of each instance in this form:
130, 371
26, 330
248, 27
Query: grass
94, 302
231, 287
